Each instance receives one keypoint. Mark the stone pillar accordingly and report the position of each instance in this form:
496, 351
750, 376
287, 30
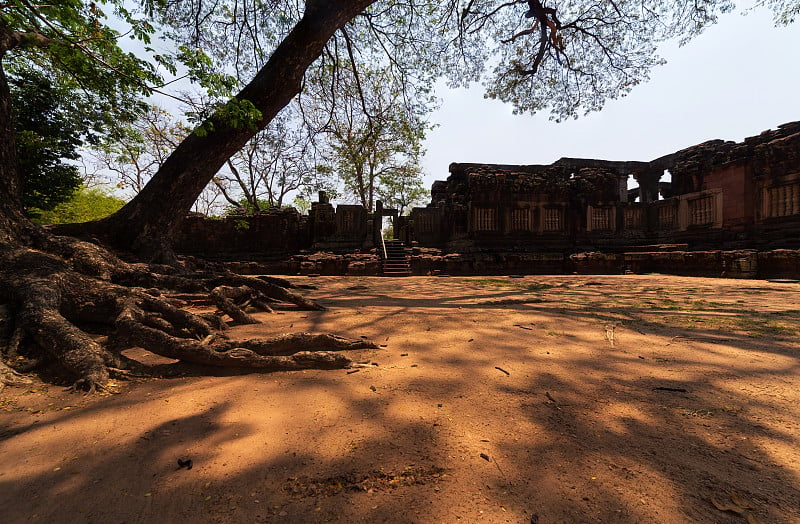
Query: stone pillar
622, 182
648, 185
377, 223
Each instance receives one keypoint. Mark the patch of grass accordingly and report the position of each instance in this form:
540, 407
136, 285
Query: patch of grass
668, 303
763, 327
702, 413
705, 413
499, 282
750, 323
538, 286
490, 282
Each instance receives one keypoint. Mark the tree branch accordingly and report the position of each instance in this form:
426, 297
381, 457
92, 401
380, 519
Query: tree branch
17, 39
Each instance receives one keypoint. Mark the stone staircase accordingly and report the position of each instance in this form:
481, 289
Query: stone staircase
396, 263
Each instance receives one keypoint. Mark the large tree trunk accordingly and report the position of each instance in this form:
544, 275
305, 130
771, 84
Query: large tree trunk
12, 220
148, 222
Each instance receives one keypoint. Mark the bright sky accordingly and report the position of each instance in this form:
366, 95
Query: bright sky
740, 77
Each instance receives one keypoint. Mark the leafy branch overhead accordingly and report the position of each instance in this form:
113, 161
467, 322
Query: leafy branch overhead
573, 56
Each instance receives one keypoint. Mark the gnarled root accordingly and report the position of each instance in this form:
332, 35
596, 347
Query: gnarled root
271, 290
74, 349
232, 300
84, 285
289, 343
277, 354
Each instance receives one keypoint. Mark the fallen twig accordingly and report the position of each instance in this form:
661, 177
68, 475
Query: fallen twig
486, 457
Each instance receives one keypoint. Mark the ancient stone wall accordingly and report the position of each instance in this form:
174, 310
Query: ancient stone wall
344, 228
280, 232
721, 195
726, 209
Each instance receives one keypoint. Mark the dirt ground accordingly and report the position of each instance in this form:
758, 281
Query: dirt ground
637, 398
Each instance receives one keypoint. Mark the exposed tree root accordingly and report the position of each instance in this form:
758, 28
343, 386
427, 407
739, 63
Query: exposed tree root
232, 300
68, 283
9, 377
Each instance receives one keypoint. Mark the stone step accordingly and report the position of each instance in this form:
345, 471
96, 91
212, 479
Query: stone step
397, 273
396, 263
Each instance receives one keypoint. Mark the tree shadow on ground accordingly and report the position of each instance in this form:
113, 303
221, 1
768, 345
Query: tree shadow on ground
569, 428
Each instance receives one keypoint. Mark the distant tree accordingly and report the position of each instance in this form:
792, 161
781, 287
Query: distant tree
371, 132
88, 203
274, 163
402, 188
137, 151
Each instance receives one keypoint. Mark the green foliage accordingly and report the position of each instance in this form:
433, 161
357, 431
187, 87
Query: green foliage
82, 47
202, 70
85, 204
301, 204
247, 208
49, 132
234, 113
241, 225
70, 83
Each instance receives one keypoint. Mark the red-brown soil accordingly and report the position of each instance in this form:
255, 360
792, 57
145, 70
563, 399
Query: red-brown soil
493, 400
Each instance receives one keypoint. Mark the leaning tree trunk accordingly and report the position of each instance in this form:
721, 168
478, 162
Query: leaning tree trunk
148, 223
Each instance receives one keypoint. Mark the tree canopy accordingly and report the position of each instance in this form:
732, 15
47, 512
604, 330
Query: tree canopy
565, 56
70, 81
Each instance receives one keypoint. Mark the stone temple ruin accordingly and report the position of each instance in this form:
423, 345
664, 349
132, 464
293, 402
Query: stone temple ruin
717, 208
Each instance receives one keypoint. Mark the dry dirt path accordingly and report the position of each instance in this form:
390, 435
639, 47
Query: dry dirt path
572, 398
